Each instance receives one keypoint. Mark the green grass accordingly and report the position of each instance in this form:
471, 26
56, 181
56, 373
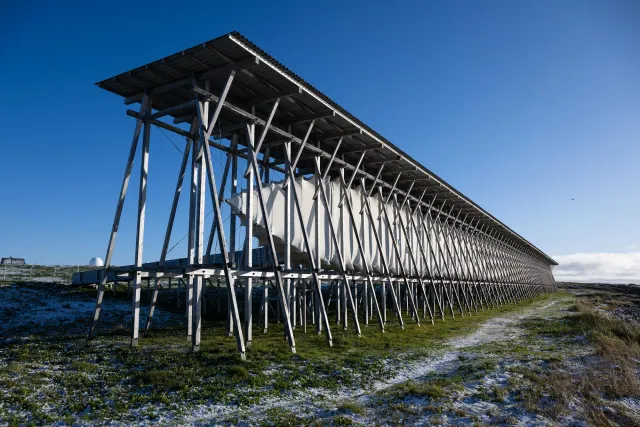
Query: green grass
239, 372
476, 367
283, 417
112, 378
82, 366
420, 389
351, 407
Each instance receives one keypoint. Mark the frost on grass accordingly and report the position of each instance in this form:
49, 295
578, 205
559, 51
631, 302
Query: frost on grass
39, 309
495, 373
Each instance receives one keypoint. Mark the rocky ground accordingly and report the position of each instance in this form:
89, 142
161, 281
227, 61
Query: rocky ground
569, 358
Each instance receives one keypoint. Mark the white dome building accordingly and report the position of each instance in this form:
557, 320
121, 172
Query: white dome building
96, 262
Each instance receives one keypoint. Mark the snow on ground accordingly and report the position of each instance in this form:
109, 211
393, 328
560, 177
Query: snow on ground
498, 328
35, 309
321, 403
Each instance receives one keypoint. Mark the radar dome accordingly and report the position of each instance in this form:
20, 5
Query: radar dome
96, 262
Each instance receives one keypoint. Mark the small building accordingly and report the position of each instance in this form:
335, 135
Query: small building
14, 261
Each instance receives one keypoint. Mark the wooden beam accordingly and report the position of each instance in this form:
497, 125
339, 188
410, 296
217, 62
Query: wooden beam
344, 134
307, 118
406, 169
273, 95
182, 132
363, 148
387, 159
225, 69
172, 110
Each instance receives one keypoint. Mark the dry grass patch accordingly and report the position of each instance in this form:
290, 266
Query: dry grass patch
595, 387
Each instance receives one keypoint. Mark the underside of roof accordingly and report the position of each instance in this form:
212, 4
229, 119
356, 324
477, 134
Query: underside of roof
259, 81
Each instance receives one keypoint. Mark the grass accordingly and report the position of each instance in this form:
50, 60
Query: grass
283, 417
23, 274
351, 407
420, 389
499, 394
477, 367
545, 371
82, 366
618, 342
611, 376
239, 372
115, 381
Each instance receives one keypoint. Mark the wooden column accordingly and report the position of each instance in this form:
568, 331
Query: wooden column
142, 207
248, 247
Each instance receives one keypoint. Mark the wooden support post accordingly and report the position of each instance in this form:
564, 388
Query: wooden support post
233, 158
142, 207
265, 297
293, 292
144, 109
172, 215
304, 306
191, 239
289, 285
334, 239
248, 254
272, 251
312, 264
383, 291
199, 234
438, 259
355, 298
345, 317
425, 265
409, 250
338, 301
319, 306
365, 300
218, 216
387, 272
394, 245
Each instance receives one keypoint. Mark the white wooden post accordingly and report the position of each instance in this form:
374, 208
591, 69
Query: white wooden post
248, 245
199, 280
142, 205
232, 233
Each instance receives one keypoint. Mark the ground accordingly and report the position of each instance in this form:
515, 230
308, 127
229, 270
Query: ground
568, 358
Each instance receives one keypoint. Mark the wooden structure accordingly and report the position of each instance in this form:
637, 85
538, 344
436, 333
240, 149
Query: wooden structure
228, 96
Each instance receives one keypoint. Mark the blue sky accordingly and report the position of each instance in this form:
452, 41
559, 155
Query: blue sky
521, 105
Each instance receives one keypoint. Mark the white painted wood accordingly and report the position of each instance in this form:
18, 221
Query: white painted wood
142, 207
248, 255
144, 108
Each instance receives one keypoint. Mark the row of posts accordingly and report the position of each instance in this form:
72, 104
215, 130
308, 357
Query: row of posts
501, 266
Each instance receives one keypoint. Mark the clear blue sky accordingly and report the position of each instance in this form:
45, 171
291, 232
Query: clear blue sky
521, 105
